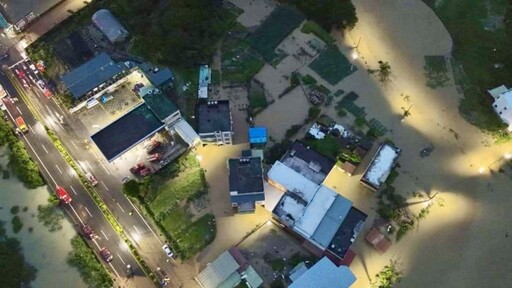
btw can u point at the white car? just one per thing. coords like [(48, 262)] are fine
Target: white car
[(167, 250), (91, 179)]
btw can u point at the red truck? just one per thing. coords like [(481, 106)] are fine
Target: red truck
[(154, 157), (152, 146), (88, 232), (63, 195), (21, 125)]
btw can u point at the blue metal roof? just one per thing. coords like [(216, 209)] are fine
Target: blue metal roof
[(258, 135), (159, 76), (324, 274), (91, 74), (332, 221)]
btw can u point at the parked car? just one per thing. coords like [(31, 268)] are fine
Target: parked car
[(88, 232), (137, 167), (91, 179), (168, 250), (106, 255)]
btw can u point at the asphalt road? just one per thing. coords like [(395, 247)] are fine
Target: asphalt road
[(73, 133), (82, 209)]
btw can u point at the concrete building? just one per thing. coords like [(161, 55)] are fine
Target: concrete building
[(230, 269), (160, 77), (381, 165), (246, 183), (18, 14), (110, 26), (503, 104), (214, 122), (326, 221), (324, 274)]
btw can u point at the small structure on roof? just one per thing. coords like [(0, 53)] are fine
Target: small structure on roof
[(110, 26), (205, 78), (160, 104), (380, 166), (229, 270), (258, 136), (378, 240), (246, 183), (324, 274), (158, 76), (213, 122), (503, 104)]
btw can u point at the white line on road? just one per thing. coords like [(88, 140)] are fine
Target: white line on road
[(137, 230), (88, 212), (48, 108), (17, 108), (32, 130), (89, 164), (111, 266), (97, 245), (104, 234), (73, 189), (120, 207), (103, 183), (144, 220), (73, 142), (44, 148), (74, 211), (121, 258), (105, 168), (58, 168)]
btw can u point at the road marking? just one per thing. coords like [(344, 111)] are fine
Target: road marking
[(120, 207), (48, 108), (111, 266), (89, 164), (73, 189), (104, 167), (137, 230), (104, 234), (88, 212), (17, 108), (73, 142), (44, 148), (121, 258), (74, 211), (30, 127), (144, 220), (97, 245), (103, 183), (58, 168)]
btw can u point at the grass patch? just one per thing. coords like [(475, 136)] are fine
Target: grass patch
[(91, 270), (239, 62), (332, 66), (257, 100), (312, 27), (16, 224), (308, 80), (329, 146), (476, 51), (436, 71), (273, 30), (215, 77)]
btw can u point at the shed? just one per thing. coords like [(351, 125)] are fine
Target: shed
[(110, 26), (258, 135), (378, 240)]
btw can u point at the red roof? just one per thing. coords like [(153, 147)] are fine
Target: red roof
[(349, 257), (239, 258), (378, 240)]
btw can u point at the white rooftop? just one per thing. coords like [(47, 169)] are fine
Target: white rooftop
[(381, 165), (315, 211), (495, 92), (292, 181), (324, 274), (315, 132)]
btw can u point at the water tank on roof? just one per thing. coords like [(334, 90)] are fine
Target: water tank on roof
[(110, 26)]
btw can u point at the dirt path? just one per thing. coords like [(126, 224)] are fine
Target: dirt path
[(455, 245)]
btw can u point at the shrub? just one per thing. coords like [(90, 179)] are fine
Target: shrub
[(313, 113), (132, 188), (293, 130)]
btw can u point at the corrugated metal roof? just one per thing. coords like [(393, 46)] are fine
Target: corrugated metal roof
[(218, 271), (110, 26), (324, 274), (91, 74), (331, 221), (258, 135)]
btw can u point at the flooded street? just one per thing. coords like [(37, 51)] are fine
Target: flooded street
[(46, 251)]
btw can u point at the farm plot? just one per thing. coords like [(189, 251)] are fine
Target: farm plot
[(332, 66)]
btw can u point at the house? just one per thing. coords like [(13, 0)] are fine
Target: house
[(324, 274), (325, 221), (213, 122), (160, 77), (307, 162), (205, 78), (258, 136), (246, 183), (503, 104), (94, 76), (110, 26), (230, 269), (381, 165)]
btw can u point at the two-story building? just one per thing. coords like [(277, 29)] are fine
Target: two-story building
[(213, 122)]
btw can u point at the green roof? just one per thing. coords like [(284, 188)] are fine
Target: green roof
[(158, 102)]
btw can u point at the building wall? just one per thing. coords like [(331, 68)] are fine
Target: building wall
[(219, 138), (503, 109)]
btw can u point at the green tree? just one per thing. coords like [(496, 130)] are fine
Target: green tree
[(384, 71), (131, 188), (388, 276), (329, 13)]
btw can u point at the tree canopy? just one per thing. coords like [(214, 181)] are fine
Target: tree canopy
[(328, 13)]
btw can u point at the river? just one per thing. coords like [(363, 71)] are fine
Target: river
[(46, 251)]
